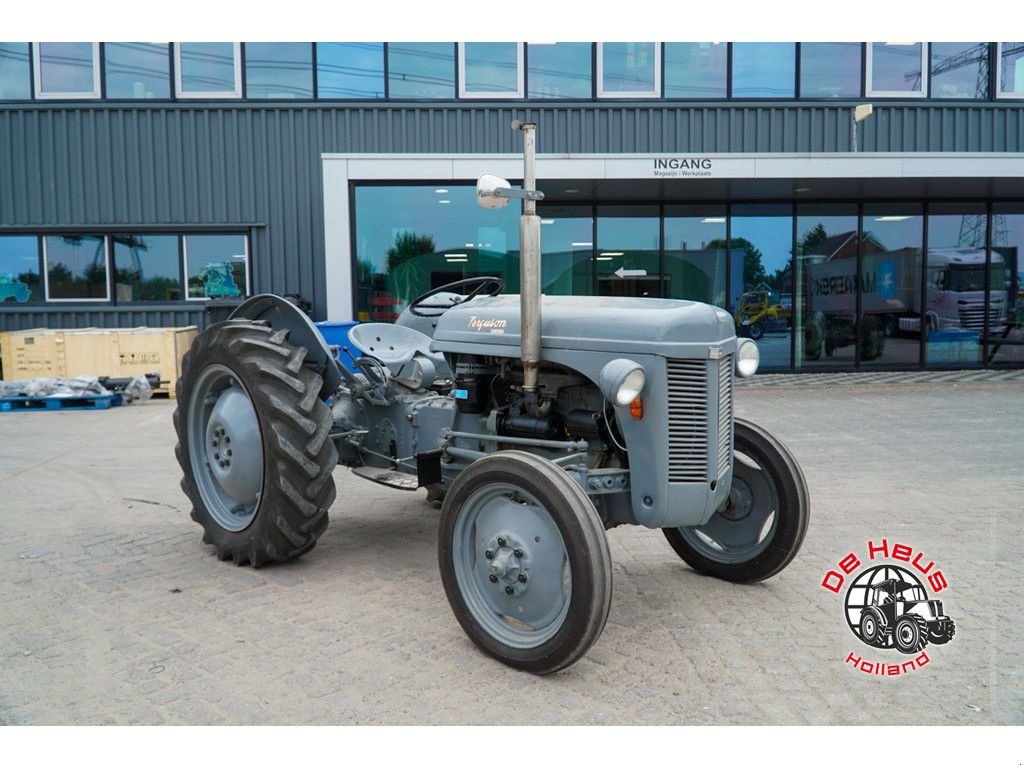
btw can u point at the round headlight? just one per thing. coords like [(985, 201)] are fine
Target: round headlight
[(622, 381), (748, 358), (631, 387)]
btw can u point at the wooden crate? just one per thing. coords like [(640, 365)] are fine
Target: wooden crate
[(32, 353), (144, 350), (89, 352), (97, 352)]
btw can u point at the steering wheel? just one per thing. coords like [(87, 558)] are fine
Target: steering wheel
[(494, 286)]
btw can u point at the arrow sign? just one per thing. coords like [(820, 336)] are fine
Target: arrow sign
[(623, 272)]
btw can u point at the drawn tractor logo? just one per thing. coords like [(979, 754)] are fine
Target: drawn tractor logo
[(11, 288), (897, 612), (219, 279)]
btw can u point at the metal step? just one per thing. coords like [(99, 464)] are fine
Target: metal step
[(388, 477)]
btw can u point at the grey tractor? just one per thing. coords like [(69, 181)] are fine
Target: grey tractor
[(538, 423)]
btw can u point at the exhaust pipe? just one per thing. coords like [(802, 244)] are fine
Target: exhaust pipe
[(495, 192), (529, 273)]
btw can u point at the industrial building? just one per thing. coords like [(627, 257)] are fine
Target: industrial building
[(857, 206)]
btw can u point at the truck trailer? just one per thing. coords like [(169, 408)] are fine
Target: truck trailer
[(891, 297)]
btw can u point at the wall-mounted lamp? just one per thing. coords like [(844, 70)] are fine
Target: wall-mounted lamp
[(859, 114)]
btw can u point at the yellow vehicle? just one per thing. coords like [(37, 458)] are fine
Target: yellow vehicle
[(760, 311)]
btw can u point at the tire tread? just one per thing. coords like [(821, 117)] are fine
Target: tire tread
[(299, 458)]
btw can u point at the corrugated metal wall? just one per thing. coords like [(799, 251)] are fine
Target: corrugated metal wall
[(100, 317), (258, 165)]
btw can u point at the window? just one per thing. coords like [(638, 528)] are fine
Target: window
[(350, 70), (762, 237), (15, 81), (628, 70), (763, 70), (1011, 70), (696, 70), (695, 260), (141, 267), (137, 70), (628, 254), (830, 70), (1006, 326), (67, 70), (559, 70), (279, 70), (824, 298), (76, 267), (491, 70), (409, 239), (889, 332), (567, 250), (208, 70), (216, 266), (146, 268), (421, 70), (897, 69), (955, 284), (19, 269), (959, 70)]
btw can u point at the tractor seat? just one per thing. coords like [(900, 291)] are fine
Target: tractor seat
[(393, 345)]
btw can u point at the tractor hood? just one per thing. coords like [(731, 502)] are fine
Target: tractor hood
[(593, 323)]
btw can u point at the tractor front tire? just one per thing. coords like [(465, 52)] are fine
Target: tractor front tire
[(760, 528), (941, 637), (253, 443), (910, 633), (525, 562)]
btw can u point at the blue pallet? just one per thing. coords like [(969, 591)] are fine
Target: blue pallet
[(88, 403)]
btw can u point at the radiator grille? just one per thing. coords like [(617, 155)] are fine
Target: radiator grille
[(687, 421), (725, 374), (972, 316)]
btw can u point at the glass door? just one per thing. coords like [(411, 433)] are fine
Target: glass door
[(762, 236), (628, 254)]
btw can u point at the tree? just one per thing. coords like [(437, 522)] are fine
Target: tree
[(408, 245), (753, 260), (405, 271), (812, 238)]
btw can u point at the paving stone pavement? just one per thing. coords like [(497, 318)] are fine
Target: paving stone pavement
[(112, 611)]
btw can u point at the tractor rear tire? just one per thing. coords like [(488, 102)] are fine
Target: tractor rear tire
[(910, 633), (525, 562), (768, 492), (872, 627), (264, 498)]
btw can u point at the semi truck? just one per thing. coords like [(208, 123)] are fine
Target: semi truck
[(891, 299)]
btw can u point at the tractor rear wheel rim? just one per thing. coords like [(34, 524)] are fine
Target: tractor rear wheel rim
[(512, 566), (225, 447)]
